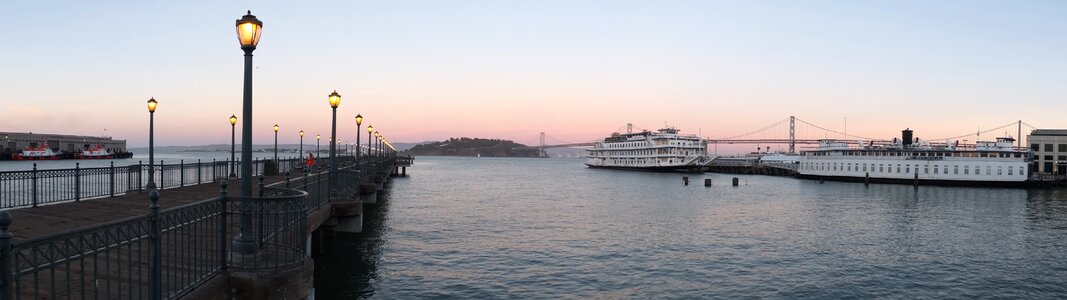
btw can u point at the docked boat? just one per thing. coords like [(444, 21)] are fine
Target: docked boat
[(97, 152), (663, 150), (40, 152), (914, 161)]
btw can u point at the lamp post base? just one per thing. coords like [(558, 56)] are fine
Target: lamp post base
[(244, 245)]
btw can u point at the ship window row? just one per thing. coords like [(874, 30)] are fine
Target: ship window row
[(645, 152), (907, 168), (923, 154), (635, 161)]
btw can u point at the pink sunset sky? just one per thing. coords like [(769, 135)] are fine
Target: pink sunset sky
[(577, 70)]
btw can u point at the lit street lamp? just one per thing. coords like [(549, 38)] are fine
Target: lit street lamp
[(301, 143), (370, 130), (151, 143), (233, 141), (359, 121), (377, 146), (249, 30), (317, 137), (335, 100), (275, 143)]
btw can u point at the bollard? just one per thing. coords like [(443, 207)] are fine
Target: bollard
[(685, 180), (735, 180), (707, 181), (286, 179)]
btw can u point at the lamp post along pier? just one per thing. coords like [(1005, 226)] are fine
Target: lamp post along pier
[(249, 29)]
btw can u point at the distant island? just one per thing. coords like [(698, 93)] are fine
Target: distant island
[(473, 147)]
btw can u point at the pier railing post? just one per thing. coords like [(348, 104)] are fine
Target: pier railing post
[(34, 184), (286, 179), (111, 173), (259, 216), (77, 182), (154, 260), (223, 224), (198, 170), (181, 172), (140, 175), (6, 257), (161, 185)]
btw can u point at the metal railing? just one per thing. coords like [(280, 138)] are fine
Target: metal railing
[(168, 253), (35, 187)]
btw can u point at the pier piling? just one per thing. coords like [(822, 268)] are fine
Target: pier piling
[(735, 181), (707, 182), (685, 180)]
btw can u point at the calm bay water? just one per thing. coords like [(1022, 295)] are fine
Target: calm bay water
[(552, 228)]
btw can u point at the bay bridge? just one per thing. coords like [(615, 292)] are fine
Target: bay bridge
[(793, 131)]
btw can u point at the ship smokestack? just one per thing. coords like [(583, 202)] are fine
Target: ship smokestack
[(905, 137)]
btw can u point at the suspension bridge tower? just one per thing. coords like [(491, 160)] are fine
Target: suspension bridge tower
[(541, 149), (792, 134)]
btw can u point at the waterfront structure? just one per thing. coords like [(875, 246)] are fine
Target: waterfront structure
[(15, 142), (1050, 150), (663, 150), (916, 161)]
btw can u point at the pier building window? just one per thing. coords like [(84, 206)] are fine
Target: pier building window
[(955, 169), (1035, 147), (898, 168), (880, 168), (907, 169), (988, 170), (1000, 170), (966, 170), (935, 169), (1048, 147), (926, 169), (1062, 158), (1062, 147), (1010, 170)]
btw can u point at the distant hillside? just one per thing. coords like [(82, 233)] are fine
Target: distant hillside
[(473, 147)]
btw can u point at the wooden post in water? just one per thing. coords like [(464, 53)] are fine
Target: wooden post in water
[(735, 181), (867, 179), (707, 182), (685, 180), (916, 183)]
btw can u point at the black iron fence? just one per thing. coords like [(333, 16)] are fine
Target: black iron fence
[(35, 187), (168, 253)]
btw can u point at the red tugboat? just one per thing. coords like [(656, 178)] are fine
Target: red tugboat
[(97, 152), (41, 152)]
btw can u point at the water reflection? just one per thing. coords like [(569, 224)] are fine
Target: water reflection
[(347, 266)]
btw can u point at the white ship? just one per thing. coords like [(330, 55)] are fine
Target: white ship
[(663, 150), (987, 163)]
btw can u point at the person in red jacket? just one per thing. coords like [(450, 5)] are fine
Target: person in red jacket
[(310, 163)]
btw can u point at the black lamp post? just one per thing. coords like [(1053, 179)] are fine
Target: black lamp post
[(370, 131), (275, 143), (377, 145), (151, 143), (359, 121), (317, 137), (249, 30), (233, 142), (335, 100), (301, 143)]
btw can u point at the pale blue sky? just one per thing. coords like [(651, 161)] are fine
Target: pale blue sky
[(429, 70)]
